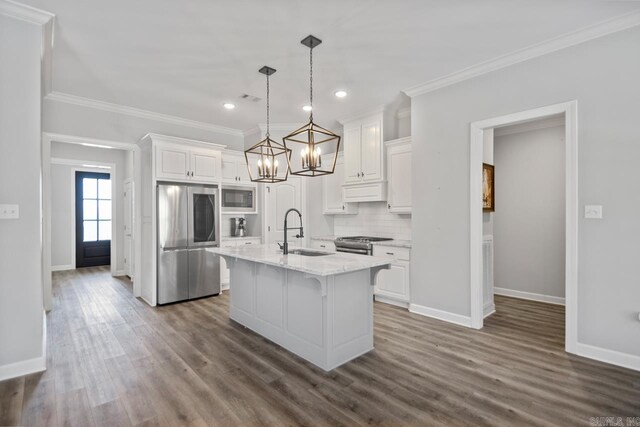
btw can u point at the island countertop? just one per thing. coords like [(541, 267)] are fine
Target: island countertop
[(327, 265)]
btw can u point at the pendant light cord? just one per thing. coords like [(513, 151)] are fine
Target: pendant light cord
[(268, 106), (311, 83)]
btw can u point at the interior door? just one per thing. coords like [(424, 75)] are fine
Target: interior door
[(278, 199), (93, 219), (371, 153), (128, 228)]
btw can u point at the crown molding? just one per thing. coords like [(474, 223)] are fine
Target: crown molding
[(25, 13), (178, 140), (287, 127), (137, 112), (252, 131), (564, 41), (404, 112)]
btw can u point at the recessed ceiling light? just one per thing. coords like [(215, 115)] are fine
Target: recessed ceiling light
[(229, 106), (341, 93), (307, 108)]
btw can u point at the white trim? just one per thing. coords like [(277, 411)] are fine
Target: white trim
[(399, 141), (529, 296), (29, 366), (177, 140), (25, 13), (138, 112), (63, 267), (252, 131), (529, 126), (118, 273), (569, 109), (70, 139), (440, 315), (564, 41), (626, 360), (386, 300)]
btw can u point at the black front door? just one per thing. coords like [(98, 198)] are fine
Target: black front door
[(93, 219)]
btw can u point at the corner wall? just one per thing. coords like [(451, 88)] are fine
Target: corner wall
[(602, 75), (21, 301)]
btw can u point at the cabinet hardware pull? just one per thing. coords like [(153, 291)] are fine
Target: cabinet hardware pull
[(342, 207), (389, 206), (247, 243), (322, 246), (389, 253)]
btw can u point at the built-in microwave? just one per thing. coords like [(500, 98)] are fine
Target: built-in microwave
[(238, 199)]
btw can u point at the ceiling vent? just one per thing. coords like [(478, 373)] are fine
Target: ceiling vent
[(250, 98)]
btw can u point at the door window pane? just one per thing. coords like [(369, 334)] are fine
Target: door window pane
[(90, 209), (104, 209), (90, 231), (104, 189), (89, 188), (104, 230)]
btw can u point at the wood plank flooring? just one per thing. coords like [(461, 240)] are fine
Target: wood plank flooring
[(113, 360)]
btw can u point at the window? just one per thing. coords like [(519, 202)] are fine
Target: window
[(96, 208)]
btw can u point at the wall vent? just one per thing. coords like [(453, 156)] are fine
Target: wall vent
[(250, 98)]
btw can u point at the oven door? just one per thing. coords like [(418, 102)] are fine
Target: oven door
[(236, 199), (204, 221), (353, 250)]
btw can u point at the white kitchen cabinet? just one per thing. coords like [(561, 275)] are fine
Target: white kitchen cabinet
[(184, 163), (392, 286), (323, 245), (234, 168), (364, 176), (399, 175), (332, 202), (363, 150), (232, 242)]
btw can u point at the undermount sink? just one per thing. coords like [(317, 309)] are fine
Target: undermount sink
[(305, 252)]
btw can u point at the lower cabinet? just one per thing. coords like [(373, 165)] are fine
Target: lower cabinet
[(392, 286), (233, 242), (323, 245)]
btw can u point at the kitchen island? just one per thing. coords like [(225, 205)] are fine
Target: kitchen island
[(319, 307)]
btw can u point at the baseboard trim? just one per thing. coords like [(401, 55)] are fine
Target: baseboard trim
[(391, 301), (440, 315), (30, 366), (612, 357), (489, 309), (119, 273), (62, 267), (528, 295)]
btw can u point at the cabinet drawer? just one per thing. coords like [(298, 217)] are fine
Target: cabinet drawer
[(403, 254), (228, 244)]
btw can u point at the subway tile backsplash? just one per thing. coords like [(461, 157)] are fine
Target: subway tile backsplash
[(373, 219)]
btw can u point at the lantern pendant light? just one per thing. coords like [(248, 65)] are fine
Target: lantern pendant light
[(314, 148), (268, 160)]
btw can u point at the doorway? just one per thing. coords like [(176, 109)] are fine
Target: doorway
[(93, 219), (477, 136)]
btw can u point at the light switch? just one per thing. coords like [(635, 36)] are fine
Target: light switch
[(9, 212), (593, 211)]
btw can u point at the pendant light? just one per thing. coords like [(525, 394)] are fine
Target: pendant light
[(268, 160), (314, 148)]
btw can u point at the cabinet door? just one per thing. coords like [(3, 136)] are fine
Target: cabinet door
[(172, 163), (394, 283), (332, 192), (371, 147), (243, 172), (205, 166), (352, 155), (224, 271), (399, 177), (229, 168)]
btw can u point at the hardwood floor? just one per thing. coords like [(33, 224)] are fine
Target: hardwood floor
[(113, 360)]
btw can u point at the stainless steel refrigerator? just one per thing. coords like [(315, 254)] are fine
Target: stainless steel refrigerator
[(188, 223)]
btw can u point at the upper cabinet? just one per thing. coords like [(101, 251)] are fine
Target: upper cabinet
[(363, 150), (178, 159), (399, 175), (234, 168), (364, 160), (332, 202)]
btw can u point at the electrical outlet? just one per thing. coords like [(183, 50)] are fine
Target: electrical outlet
[(593, 211), (9, 212)]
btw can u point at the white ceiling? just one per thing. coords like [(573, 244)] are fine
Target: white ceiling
[(186, 58)]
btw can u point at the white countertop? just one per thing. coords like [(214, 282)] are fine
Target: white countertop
[(396, 243), (241, 238), (329, 265)]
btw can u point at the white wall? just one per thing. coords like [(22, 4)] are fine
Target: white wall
[(62, 198), (602, 75), (529, 221), (21, 300)]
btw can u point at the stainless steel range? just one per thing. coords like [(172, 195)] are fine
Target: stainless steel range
[(357, 244)]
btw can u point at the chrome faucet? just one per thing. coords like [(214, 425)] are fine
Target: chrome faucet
[(285, 245)]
